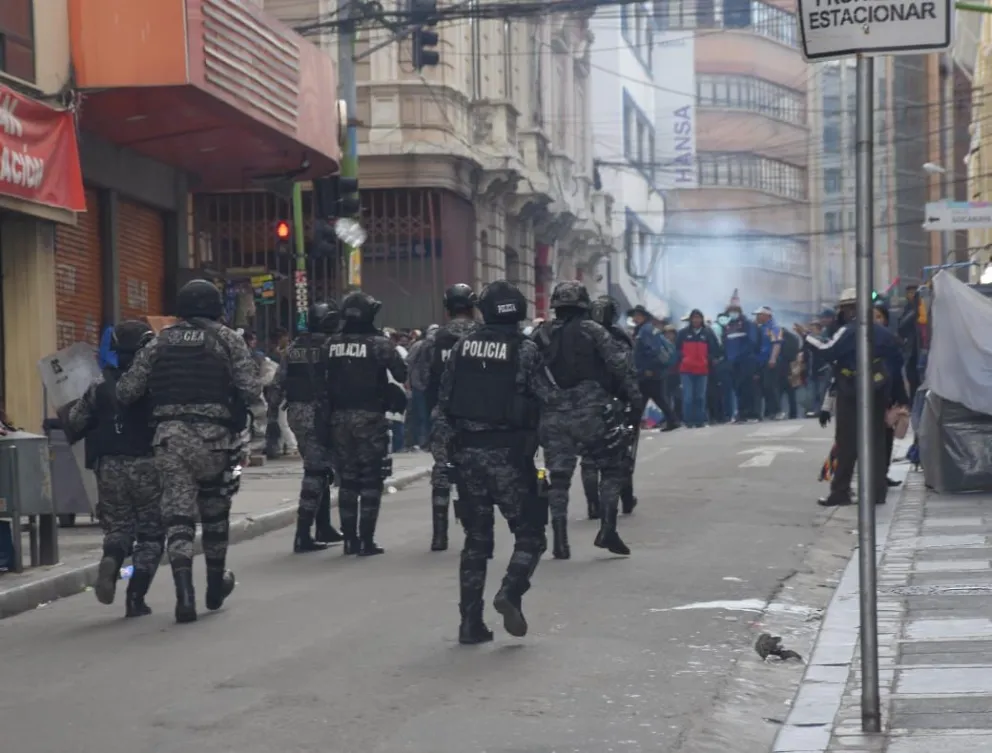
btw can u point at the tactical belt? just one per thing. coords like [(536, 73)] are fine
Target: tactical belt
[(482, 440)]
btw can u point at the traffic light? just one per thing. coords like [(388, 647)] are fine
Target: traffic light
[(336, 197), (423, 13), (284, 237), (325, 240)]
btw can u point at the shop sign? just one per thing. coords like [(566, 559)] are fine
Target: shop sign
[(302, 299), (39, 154)]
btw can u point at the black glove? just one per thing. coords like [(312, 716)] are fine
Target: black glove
[(824, 418)]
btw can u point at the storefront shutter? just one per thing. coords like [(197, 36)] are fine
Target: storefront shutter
[(79, 277), (141, 243)]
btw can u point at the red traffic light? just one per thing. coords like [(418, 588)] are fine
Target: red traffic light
[(282, 230)]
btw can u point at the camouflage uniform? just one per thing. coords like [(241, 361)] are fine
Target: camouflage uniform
[(129, 507), (574, 423), (495, 468), (440, 433), (360, 437), (195, 448)]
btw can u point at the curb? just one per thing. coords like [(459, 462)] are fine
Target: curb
[(70, 582)]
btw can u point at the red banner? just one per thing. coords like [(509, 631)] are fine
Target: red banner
[(39, 155)]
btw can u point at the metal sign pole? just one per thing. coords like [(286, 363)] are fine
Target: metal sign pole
[(871, 720)]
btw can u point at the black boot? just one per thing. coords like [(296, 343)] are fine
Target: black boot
[(220, 584), (366, 528), (185, 595), (509, 606), (349, 520), (627, 499), (590, 485), (326, 533), (304, 542), (137, 587), (439, 541), (560, 550), (108, 571), (608, 538), (472, 629)]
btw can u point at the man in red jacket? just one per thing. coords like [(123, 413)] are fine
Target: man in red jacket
[(697, 346)]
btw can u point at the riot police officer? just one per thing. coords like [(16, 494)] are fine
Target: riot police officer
[(203, 382), (460, 302), (488, 403), (604, 312), (119, 450), (592, 374), (302, 376), (357, 389)]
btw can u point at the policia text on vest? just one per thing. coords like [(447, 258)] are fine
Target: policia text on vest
[(833, 13)]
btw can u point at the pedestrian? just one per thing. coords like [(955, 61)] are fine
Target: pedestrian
[(841, 351), (360, 361), (673, 379), (769, 375), (460, 302), (740, 349), (119, 451), (302, 375), (653, 355), (593, 378), (489, 404), (698, 348), (418, 415), (895, 365), (817, 372), (204, 383), (908, 328), (604, 312)]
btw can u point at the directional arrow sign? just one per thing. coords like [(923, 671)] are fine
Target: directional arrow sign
[(957, 215), (762, 457)]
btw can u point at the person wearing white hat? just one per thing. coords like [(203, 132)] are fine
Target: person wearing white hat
[(769, 374)]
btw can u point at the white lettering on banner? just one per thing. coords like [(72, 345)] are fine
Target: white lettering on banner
[(9, 122), (684, 164), (348, 350), (867, 12), (20, 168), (482, 349)]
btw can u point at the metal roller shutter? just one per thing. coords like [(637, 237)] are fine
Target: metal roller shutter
[(141, 238), (79, 277)]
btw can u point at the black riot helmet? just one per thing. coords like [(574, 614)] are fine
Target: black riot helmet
[(502, 302), (604, 311), (360, 308), (324, 317), (131, 336), (460, 298), (570, 294), (199, 298)]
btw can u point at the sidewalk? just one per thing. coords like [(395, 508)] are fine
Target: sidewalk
[(266, 502), (935, 638)]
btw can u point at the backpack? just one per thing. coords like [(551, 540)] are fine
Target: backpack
[(790, 346)]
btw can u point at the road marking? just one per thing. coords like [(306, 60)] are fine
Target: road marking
[(762, 457), (768, 432)]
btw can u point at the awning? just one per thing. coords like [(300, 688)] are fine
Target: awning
[(39, 156)]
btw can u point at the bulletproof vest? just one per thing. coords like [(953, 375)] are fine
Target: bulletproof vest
[(444, 341), (355, 378), (621, 336), (120, 430), (572, 357), (188, 371), (484, 385), (306, 368)]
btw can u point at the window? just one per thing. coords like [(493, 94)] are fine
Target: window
[(637, 25), (745, 170), (638, 138), (832, 222), (831, 139), (17, 39), (639, 245), (832, 180), (753, 95), (774, 23), (762, 18)]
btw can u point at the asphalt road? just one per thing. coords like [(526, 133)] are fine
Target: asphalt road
[(333, 654)]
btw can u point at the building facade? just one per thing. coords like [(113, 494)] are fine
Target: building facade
[(625, 148), (479, 168), (162, 115), (738, 206)]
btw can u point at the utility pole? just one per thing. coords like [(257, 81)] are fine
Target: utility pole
[(946, 160), (348, 92)]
